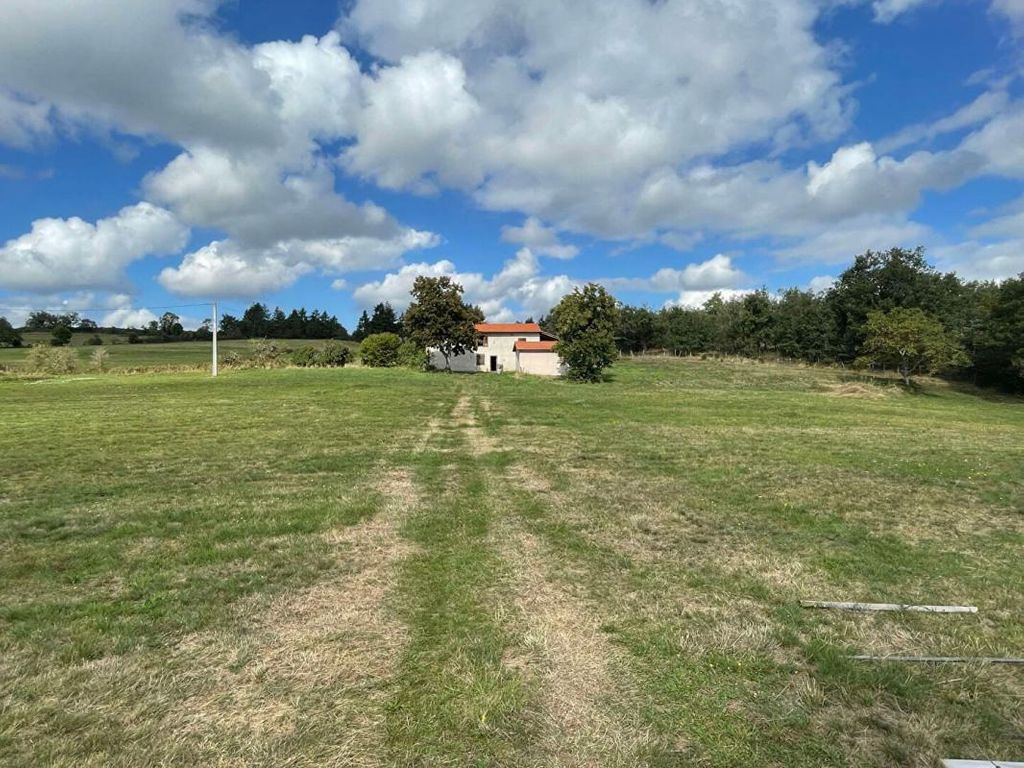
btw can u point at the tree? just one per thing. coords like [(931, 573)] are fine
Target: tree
[(255, 321), (804, 326), (380, 350), (911, 341), (585, 323), (883, 281), (756, 324), (8, 336), (384, 320), (999, 340), (362, 327), (61, 336), (230, 327), (637, 329), (438, 318), (170, 324)]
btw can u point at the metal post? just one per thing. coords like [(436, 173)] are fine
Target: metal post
[(215, 338)]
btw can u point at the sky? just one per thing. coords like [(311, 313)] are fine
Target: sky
[(163, 154)]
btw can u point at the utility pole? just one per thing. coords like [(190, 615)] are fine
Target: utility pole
[(215, 338)]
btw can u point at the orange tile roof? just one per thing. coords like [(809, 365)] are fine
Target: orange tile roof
[(534, 346), (508, 327)]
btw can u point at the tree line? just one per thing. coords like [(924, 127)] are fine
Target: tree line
[(975, 329)]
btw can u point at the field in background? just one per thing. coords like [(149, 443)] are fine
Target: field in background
[(125, 355), (371, 567)]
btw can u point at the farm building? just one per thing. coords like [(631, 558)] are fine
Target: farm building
[(507, 347)]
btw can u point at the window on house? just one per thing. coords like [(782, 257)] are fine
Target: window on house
[(482, 341), (479, 360)]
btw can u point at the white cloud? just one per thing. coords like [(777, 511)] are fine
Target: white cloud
[(1009, 223), (887, 10), (694, 299), (973, 260), (1013, 10), (838, 244), (607, 118), (820, 283), (22, 123), (228, 268), (128, 318), (539, 239), (716, 273), (983, 108), (65, 254), (519, 290)]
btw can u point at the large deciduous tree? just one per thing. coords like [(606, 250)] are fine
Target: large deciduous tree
[(910, 341), (9, 337), (585, 323), (438, 318)]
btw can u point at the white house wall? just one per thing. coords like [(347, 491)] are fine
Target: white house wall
[(500, 345), (540, 363)]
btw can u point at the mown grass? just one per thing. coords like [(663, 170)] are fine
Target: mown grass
[(363, 567)]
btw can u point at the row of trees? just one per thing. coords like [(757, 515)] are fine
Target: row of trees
[(976, 327), (259, 322)]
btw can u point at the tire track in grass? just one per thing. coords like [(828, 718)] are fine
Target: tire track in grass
[(311, 677), (456, 703), (584, 696)]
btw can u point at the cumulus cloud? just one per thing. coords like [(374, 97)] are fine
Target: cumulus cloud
[(519, 289), (227, 268), (66, 254), (975, 260), (523, 104), (835, 245), (539, 239), (127, 317)]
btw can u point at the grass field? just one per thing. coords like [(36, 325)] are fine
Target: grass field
[(368, 568), (122, 355)]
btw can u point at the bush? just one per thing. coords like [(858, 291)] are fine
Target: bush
[(98, 359), (333, 354), (61, 336), (93, 341), (412, 355), (380, 350), (266, 354), (304, 357), (55, 360)]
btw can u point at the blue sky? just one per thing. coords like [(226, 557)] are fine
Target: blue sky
[(168, 152)]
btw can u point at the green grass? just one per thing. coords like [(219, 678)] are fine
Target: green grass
[(122, 355), (366, 567)]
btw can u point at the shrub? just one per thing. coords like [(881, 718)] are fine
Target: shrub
[(333, 354), (380, 350), (266, 354), (61, 336), (304, 357), (231, 359), (98, 359), (55, 360), (94, 341), (412, 355)]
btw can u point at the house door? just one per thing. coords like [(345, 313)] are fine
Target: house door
[(494, 363)]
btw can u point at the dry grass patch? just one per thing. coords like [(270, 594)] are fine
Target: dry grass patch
[(861, 391), (335, 643), (465, 419), (585, 696)]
